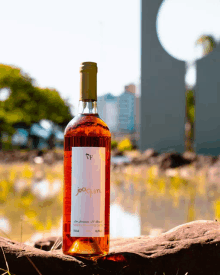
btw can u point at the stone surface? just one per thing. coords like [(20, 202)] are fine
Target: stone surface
[(150, 153), (171, 160), (148, 157), (24, 259), (204, 161), (48, 243), (191, 248), (14, 156), (191, 156), (115, 153)]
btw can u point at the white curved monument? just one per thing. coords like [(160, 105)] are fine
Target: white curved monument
[(207, 125), (162, 89)]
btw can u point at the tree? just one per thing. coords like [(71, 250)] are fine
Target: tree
[(28, 104), (208, 44), (190, 120)]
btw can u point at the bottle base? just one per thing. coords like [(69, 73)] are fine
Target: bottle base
[(85, 247), (93, 257)]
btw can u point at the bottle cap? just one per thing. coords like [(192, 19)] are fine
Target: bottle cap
[(87, 66), (88, 81)]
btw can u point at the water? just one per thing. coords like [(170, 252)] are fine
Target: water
[(122, 223), (119, 160), (141, 203)]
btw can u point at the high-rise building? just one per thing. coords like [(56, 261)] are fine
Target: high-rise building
[(108, 110), (131, 88), (137, 118), (121, 113), (127, 110)]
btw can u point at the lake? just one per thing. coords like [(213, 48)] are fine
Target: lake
[(142, 203)]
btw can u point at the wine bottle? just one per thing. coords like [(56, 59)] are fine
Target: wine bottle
[(87, 149)]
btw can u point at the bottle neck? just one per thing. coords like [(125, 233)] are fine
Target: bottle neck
[(87, 107), (88, 88)]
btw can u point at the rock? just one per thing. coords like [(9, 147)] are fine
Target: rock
[(204, 161), (47, 243), (212, 192), (148, 157), (187, 172), (149, 153), (29, 156), (49, 157), (216, 162), (171, 160), (213, 175), (117, 153), (136, 161), (191, 156), (170, 172), (24, 259), (191, 248)]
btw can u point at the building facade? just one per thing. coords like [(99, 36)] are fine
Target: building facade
[(120, 113), (127, 109), (108, 110)]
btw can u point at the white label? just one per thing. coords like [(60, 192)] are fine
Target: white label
[(88, 192)]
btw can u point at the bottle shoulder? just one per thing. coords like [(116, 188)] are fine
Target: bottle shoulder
[(87, 125)]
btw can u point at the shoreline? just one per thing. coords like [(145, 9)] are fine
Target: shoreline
[(186, 166)]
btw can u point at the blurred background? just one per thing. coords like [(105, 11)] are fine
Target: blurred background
[(158, 91)]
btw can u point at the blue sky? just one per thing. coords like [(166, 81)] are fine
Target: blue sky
[(49, 39)]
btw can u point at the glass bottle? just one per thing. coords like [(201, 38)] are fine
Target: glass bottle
[(87, 149)]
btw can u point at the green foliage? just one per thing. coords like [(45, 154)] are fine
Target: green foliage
[(27, 103), (190, 105), (114, 144), (125, 145), (208, 43), (190, 120)]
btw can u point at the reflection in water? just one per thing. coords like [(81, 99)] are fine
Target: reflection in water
[(120, 160), (123, 224), (5, 225), (142, 202), (54, 232), (45, 189), (163, 202)]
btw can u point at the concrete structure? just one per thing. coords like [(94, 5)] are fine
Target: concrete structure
[(162, 89), (137, 118), (207, 125)]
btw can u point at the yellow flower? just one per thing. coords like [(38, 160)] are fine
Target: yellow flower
[(125, 144), (217, 209), (4, 189), (27, 172)]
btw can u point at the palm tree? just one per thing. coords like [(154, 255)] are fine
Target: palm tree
[(208, 44)]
